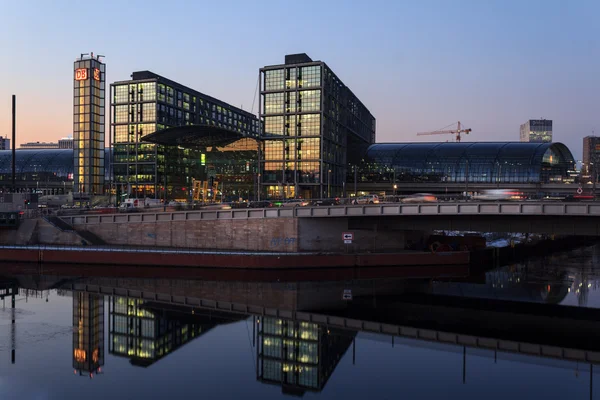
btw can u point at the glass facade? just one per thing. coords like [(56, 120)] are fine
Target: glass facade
[(510, 162), (591, 157), (40, 169), (88, 125), (312, 126), (299, 356), (150, 103), (537, 131), (88, 333)]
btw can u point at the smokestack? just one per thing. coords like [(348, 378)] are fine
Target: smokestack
[(14, 140)]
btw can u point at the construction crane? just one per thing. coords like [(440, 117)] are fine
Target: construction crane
[(444, 131)]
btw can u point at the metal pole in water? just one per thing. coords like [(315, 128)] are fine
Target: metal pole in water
[(14, 139), (464, 364), (13, 332), (591, 379)]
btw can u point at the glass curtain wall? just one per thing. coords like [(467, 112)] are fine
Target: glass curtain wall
[(291, 139), (88, 126)]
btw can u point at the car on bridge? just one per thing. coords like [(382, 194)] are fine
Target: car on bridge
[(499, 194), (327, 202), (368, 199), (420, 198), (260, 204), (295, 203)]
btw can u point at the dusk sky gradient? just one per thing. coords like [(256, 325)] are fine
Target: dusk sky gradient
[(417, 65)]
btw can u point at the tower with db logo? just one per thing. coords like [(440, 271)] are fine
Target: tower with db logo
[(88, 126)]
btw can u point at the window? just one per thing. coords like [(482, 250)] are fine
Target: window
[(274, 79), (310, 100), (309, 149), (121, 114), (310, 76), (148, 112), (309, 125), (273, 103), (120, 94), (273, 125)]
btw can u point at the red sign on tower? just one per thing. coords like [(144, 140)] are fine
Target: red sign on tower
[(81, 74)]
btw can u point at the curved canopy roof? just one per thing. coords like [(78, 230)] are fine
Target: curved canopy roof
[(194, 136), (54, 161), (417, 153)]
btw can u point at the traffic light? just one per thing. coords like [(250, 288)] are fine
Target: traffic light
[(26, 202)]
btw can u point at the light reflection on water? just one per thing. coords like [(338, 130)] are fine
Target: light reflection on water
[(268, 339)]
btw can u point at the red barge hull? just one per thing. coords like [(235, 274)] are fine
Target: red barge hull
[(162, 258)]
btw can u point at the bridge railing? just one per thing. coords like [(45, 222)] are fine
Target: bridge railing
[(369, 210)]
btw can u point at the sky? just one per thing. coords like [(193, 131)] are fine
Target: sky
[(416, 65)]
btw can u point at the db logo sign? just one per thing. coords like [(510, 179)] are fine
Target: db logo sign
[(81, 74)]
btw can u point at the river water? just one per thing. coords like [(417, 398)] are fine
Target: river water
[(123, 337)]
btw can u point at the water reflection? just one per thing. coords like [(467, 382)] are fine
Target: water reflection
[(299, 356), (299, 333), (144, 332), (88, 333)]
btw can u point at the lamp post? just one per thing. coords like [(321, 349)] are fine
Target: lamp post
[(395, 187), (258, 188), (328, 183), (594, 178)]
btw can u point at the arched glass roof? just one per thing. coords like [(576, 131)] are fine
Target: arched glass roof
[(42, 164), (510, 162)]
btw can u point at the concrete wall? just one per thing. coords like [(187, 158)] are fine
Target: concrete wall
[(46, 233), (278, 234), (260, 234), (325, 234)]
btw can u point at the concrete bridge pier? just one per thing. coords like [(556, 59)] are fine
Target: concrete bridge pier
[(370, 235)]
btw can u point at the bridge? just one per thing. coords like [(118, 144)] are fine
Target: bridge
[(549, 217)]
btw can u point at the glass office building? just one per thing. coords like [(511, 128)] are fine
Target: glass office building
[(537, 131), (150, 103), (88, 125), (591, 156), (312, 127), (502, 162)]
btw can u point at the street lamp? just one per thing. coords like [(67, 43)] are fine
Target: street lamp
[(328, 183), (395, 187)]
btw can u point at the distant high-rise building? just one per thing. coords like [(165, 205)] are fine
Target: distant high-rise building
[(4, 143), (537, 131), (313, 126), (65, 143), (88, 125), (38, 145), (591, 153)]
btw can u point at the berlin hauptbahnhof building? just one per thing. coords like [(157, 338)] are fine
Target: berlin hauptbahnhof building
[(313, 138)]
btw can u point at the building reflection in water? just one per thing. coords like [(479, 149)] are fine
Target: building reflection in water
[(145, 335), (88, 333), (299, 356)]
